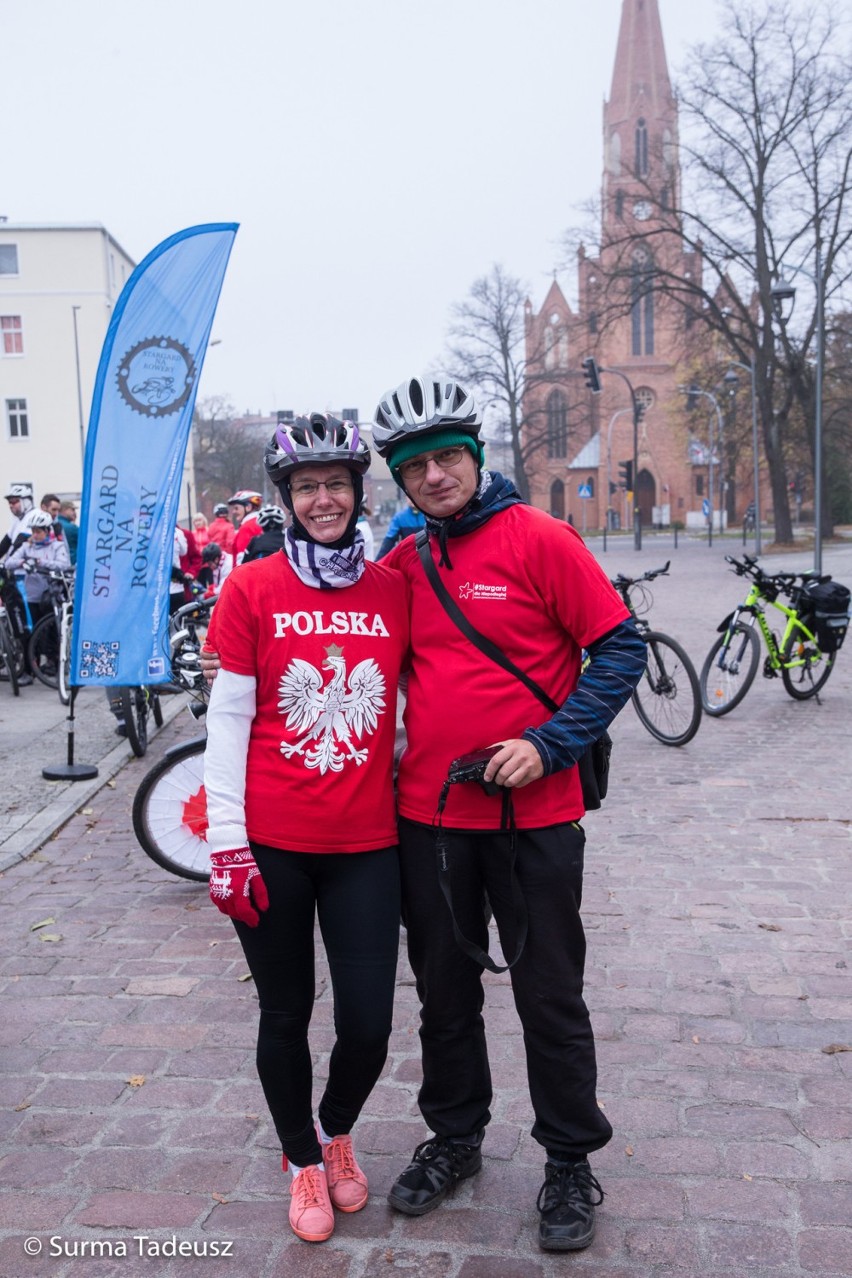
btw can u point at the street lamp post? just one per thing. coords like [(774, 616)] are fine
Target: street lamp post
[(637, 414), (694, 391), (592, 372), (74, 310), (618, 413), (782, 292), (731, 379)]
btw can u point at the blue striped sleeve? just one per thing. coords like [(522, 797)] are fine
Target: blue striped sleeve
[(616, 663)]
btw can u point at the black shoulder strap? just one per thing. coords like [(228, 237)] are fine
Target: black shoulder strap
[(470, 632)]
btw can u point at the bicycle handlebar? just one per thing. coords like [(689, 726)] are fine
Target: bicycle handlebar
[(624, 583), (785, 582)]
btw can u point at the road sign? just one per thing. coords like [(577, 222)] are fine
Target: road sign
[(584, 490), (705, 507)]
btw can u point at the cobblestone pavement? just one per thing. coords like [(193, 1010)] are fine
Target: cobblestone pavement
[(717, 910)]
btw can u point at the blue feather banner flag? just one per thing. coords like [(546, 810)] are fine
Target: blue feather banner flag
[(138, 432)]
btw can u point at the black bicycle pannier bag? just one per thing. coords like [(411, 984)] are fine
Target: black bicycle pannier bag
[(828, 606)]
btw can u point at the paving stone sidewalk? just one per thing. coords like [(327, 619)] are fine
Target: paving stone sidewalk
[(717, 909)]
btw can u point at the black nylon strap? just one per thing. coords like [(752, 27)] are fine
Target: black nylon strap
[(470, 632)]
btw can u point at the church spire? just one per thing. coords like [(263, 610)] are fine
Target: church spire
[(640, 118), (640, 77)]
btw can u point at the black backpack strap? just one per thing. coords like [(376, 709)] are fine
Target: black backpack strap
[(470, 632)]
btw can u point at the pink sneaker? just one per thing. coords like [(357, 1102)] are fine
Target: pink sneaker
[(347, 1184), (311, 1216)]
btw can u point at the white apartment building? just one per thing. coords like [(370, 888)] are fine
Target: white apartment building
[(58, 287)]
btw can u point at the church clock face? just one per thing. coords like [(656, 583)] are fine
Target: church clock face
[(641, 210)]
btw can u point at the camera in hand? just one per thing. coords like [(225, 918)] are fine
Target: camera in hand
[(471, 767)]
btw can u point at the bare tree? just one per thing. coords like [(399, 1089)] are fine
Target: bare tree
[(227, 453), (488, 348), (766, 115)]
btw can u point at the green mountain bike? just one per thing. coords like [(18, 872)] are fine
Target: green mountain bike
[(817, 618)]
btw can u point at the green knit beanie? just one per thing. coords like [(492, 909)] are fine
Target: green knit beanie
[(429, 443)]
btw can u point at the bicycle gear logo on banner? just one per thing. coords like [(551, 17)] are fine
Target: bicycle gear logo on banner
[(156, 376)]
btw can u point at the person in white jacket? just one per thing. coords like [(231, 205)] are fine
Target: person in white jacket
[(40, 552)]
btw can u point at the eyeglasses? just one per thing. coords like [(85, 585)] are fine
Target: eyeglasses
[(310, 487), (446, 459)]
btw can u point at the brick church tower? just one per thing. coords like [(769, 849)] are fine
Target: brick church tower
[(577, 442)]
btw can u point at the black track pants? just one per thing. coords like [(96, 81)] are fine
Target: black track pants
[(547, 981), (355, 896)]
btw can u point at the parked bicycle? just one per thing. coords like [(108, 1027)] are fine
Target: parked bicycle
[(170, 806), (11, 653), (49, 646), (667, 698), (817, 618)]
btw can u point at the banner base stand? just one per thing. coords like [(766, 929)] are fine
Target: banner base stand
[(70, 771)]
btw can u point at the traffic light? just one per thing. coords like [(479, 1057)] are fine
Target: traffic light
[(625, 475), (591, 373)]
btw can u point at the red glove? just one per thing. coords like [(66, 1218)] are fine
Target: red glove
[(235, 884)]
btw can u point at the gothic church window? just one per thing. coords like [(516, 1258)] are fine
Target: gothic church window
[(557, 425), (642, 303), (615, 154), (641, 158)]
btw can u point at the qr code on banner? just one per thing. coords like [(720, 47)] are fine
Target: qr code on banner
[(99, 660)]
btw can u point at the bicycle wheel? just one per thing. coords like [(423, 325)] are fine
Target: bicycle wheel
[(134, 709), (156, 706), (805, 680), (8, 662), (43, 651), (170, 812), (667, 698), (64, 668), (729, 670)]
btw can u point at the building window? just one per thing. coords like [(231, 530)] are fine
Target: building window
[(699, 485), (16, 415), (557, 425), (590, 484), (642, 303), (645, 396), (12, 334), (557, 499), (8, 259), (641, 159), (619, 204)]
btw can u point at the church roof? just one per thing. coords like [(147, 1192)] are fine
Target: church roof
[(589, 456)]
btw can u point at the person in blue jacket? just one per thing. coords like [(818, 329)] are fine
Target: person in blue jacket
[(405, 522)]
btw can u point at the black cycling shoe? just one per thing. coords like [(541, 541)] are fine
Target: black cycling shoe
[(567, 1202), (438, 1164)]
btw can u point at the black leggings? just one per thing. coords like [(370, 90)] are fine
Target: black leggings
[(356, 898)]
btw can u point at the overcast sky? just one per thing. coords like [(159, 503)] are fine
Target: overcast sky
[(378, 155)]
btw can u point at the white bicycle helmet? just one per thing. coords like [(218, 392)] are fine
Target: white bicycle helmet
[(424, 406), (246, 497), (19, 490), (39, 519), (220, 510), (271, 517), (314, 440)]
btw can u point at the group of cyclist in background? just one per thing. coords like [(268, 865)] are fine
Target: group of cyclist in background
[(41, 542)]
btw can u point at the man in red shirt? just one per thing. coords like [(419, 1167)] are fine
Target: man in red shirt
[(529, 584), (220, 529), (243, 508)]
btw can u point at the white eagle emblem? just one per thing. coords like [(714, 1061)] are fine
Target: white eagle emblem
[(329, 716)]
